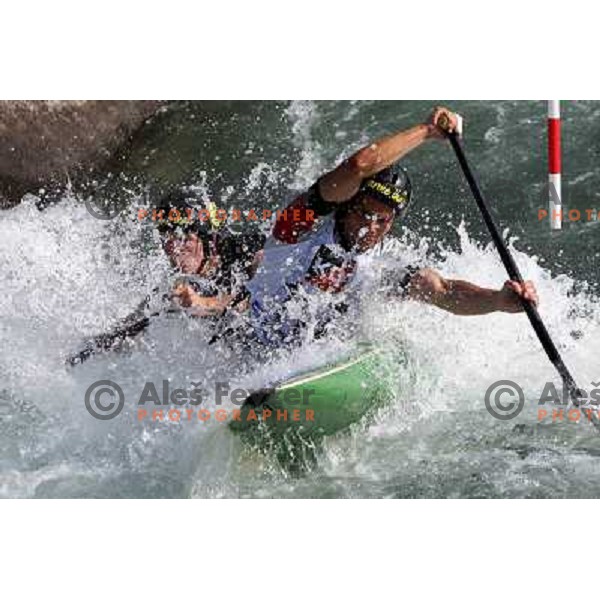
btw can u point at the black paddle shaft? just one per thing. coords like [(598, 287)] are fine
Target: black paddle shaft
[(513, 272)]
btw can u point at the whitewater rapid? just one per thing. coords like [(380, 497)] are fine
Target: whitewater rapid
[(66, 276)]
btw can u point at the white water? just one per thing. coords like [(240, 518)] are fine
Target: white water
[(67, 276)]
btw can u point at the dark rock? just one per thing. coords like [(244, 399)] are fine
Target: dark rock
[(47, 141)]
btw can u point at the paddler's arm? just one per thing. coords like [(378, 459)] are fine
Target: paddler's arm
[(201, 306), (464, 298), (209, 306), (342, 183)]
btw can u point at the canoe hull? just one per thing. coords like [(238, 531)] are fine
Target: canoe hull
[(322, 402)]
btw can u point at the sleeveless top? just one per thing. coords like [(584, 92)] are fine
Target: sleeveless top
[(304, 270), (291, 275)]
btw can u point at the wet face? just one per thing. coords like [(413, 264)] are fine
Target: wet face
[(186, 253), (366, 223)]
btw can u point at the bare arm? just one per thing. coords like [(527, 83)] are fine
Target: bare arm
[(343, 182), (201, 306), (464, 298)]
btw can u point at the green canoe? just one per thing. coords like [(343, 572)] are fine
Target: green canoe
[(324, 401)]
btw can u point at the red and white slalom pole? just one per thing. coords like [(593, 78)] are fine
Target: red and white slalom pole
[(554, 164)]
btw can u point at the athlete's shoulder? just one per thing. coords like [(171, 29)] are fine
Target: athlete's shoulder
[(301, 216)]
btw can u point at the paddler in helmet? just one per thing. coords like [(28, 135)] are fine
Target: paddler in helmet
[(211, 261), (210, 264), (343, 215)]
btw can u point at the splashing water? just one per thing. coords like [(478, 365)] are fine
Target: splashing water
[(67, 276), (65, 280)]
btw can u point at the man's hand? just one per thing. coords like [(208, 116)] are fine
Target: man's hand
[(200, 306), (439, 116), (184, 295), (513, 291)]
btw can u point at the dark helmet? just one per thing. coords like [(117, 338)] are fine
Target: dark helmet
[(392, 186), (176, 214)]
